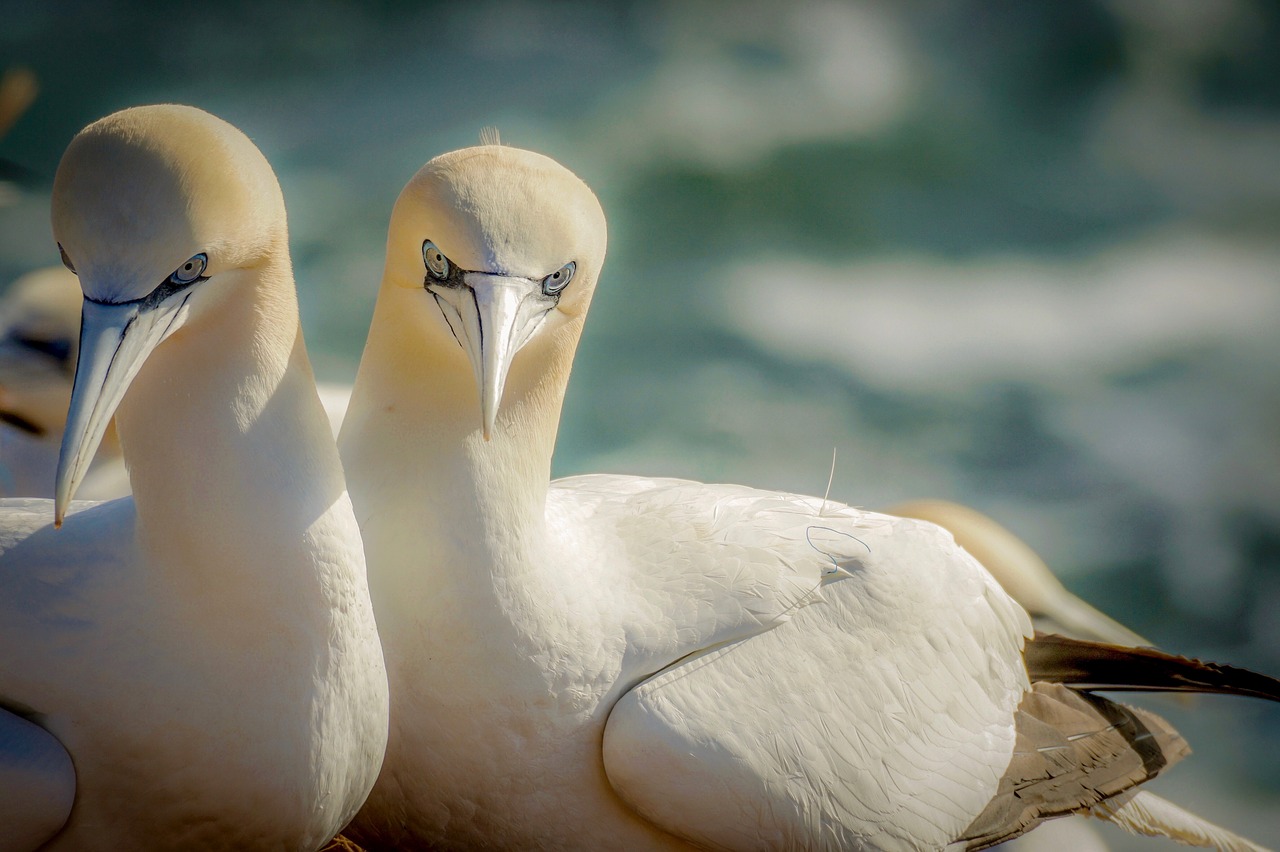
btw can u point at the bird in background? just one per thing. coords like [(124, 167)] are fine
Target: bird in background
[(1020, 572), (39, 345)]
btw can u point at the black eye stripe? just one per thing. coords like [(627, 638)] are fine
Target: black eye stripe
[(171, 285), (453, 275)]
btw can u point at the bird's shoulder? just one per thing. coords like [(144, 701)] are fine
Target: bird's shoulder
[(701, 525), (720, 562), (691, 540), (693, 513)]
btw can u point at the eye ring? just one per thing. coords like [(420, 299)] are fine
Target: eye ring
[(554, 283), (437, 264), (66, 261), (190, 271)]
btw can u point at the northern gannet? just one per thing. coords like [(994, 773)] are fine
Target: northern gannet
[(628, 663), (196, 666)]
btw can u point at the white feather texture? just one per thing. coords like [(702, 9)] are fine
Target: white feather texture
[(203, 651), (611, 662), (762, 669)]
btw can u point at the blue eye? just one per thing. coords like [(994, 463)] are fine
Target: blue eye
[(191, 270), (437, 263), (558, 280)]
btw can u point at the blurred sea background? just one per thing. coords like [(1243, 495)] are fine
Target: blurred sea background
[(1023, 255)]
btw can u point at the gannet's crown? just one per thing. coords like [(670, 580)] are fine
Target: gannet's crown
[(139, 192), (498, 209)]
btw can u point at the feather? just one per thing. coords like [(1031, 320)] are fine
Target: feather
[(1073, 751), (1095, 665), (1140, 812)]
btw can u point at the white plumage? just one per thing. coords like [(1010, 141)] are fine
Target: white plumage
[(626, 663), (196, 666)]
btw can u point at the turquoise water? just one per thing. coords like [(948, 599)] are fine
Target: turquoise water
[(1020, 255)]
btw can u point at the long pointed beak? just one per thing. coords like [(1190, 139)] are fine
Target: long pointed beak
[(115, 340), (492, 317)]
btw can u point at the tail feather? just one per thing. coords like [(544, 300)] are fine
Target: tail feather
[(1094, 665), (1140, 812)]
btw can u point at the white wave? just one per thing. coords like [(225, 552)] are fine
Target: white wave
[(924, 324), (733, 84)]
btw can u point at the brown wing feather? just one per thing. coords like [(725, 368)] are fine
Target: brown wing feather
[(1073, 750)]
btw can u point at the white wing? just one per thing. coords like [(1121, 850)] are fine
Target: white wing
[(695, 564), (54, 587), (880, 715)]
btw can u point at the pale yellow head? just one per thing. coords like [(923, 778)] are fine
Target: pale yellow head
[(140, 192), (163, 212), (505, 246)]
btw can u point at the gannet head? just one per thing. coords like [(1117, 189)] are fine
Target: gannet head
[(153, 208), (505, 245)]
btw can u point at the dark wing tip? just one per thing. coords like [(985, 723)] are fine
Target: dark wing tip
[(1096, 665)]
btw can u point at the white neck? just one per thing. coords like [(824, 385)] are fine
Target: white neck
[(482, 616), (225, 438), (247, 532), (441, 507)]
